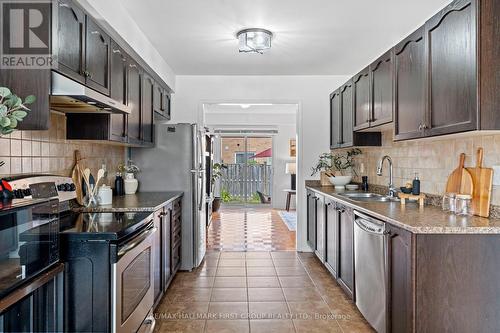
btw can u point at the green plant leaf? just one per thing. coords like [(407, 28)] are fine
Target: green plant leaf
[(4, 122), (13, 122), (5, 131), (29, 99), (19, 115), (3, 110), (4, 92)]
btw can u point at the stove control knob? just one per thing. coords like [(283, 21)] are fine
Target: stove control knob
[(72, 187), (67, 187), (60, 187), (18, 194), (27, 192)]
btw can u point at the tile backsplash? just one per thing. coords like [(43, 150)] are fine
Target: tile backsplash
[(26, 152), (432, 158)]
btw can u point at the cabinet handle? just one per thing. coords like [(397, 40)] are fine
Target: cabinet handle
[(65, 5), (117, 51), (420, 127), (424, 126), (95, 32), (133, 65)]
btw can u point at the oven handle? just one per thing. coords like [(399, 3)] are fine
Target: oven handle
[(139, 239)]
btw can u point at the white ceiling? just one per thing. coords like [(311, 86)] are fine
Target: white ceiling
[(312, 37)]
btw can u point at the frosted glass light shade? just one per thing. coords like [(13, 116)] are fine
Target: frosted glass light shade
[(254, 40)]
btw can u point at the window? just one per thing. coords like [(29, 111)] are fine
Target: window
[(239, 156)]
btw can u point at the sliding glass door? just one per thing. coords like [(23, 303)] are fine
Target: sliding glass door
[(247, 176)]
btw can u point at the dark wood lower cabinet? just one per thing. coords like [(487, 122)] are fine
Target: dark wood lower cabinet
[(346, 246), (332, 237), (311, 220), (320, 227)]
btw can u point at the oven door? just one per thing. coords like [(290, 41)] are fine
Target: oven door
[(132, 282)]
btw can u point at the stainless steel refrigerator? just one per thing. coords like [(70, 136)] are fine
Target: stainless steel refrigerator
[(177, 163)]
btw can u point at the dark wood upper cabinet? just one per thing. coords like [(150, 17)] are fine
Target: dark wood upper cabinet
[(70, 40), (346, 245), (401, 277), (331, 237), (410, 86), (166, 104), (147, 109), (335, 120), (97, 57), (346, 113), (134, 85), (158, 98), (451, 40), (118, 90), (361, 99), (381, 90)]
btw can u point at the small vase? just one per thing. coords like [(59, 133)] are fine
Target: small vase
[(131, 183)]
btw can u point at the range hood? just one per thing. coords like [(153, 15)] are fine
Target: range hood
[(69, 96)]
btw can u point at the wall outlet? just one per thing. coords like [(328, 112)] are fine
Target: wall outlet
[(496, 175)]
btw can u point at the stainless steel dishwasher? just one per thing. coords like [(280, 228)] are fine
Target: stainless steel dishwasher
[(371, 270)]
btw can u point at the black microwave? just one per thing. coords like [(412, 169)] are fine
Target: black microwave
[(29, 241)]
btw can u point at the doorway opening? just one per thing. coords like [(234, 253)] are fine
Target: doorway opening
[(256, 145)]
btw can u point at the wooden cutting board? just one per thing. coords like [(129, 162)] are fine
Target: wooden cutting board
[(483, 181), (460, 180), (76, 176)]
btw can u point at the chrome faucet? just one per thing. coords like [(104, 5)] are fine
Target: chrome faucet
[(392, 189)]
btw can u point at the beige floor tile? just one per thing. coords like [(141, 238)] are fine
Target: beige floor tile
[(290, 271), (189, 295), (260, 263), (207, 271), (358, 325), (198, 282), (230, 282), (181, 326), (261, 271), (265, 295), (229, 295), (263, 282), (311, 310), (227, 326), (268, 310), (232, 255), (231, 271), (301, 294), (287, 262), (228, 310), (271, 326), (302, 281), (231, 262), (182, 311), (284, 254), (317, 326), (258, 255)]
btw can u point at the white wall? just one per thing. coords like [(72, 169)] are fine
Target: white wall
[(281, 117), (311, 93), (111, 14)]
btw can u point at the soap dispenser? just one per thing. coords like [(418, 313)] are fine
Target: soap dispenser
[(416, 185)]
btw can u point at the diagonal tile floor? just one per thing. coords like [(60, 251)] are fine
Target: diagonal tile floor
[(249, 229), (269, 292)]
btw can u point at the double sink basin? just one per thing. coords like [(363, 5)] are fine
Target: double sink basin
[(367, 196)]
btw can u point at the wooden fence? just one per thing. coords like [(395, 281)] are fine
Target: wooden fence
[(254, 177)]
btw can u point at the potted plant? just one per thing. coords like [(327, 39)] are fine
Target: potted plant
[(12, 110), (216, 174), (337, 168), (130, 182)]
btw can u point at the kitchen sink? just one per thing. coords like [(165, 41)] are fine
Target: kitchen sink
[(367, 196)]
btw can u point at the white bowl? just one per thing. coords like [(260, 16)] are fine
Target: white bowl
[(340, 181)]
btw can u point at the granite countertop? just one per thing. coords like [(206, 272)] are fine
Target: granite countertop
[(426, 220), (139, 202)]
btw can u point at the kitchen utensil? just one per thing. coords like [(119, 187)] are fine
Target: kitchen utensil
[(105, 195), (483, 181), (460, 180), (76, 176), (100, 175), (86, 178)]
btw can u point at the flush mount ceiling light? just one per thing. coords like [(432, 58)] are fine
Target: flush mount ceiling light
[(254, 40)]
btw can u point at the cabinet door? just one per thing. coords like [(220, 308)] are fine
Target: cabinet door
[(97, 58), (118, 91), (311, 220), (147, 109), (335, 120), (361, 97), (158, 99), (401, 281), (346, 105), (166, 246), (157, 256), (167, 104), (346, 257), (410, 86), (134, 101), (70, 40), (381, 98), (320, 227), (332, 237), (451, 36)]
